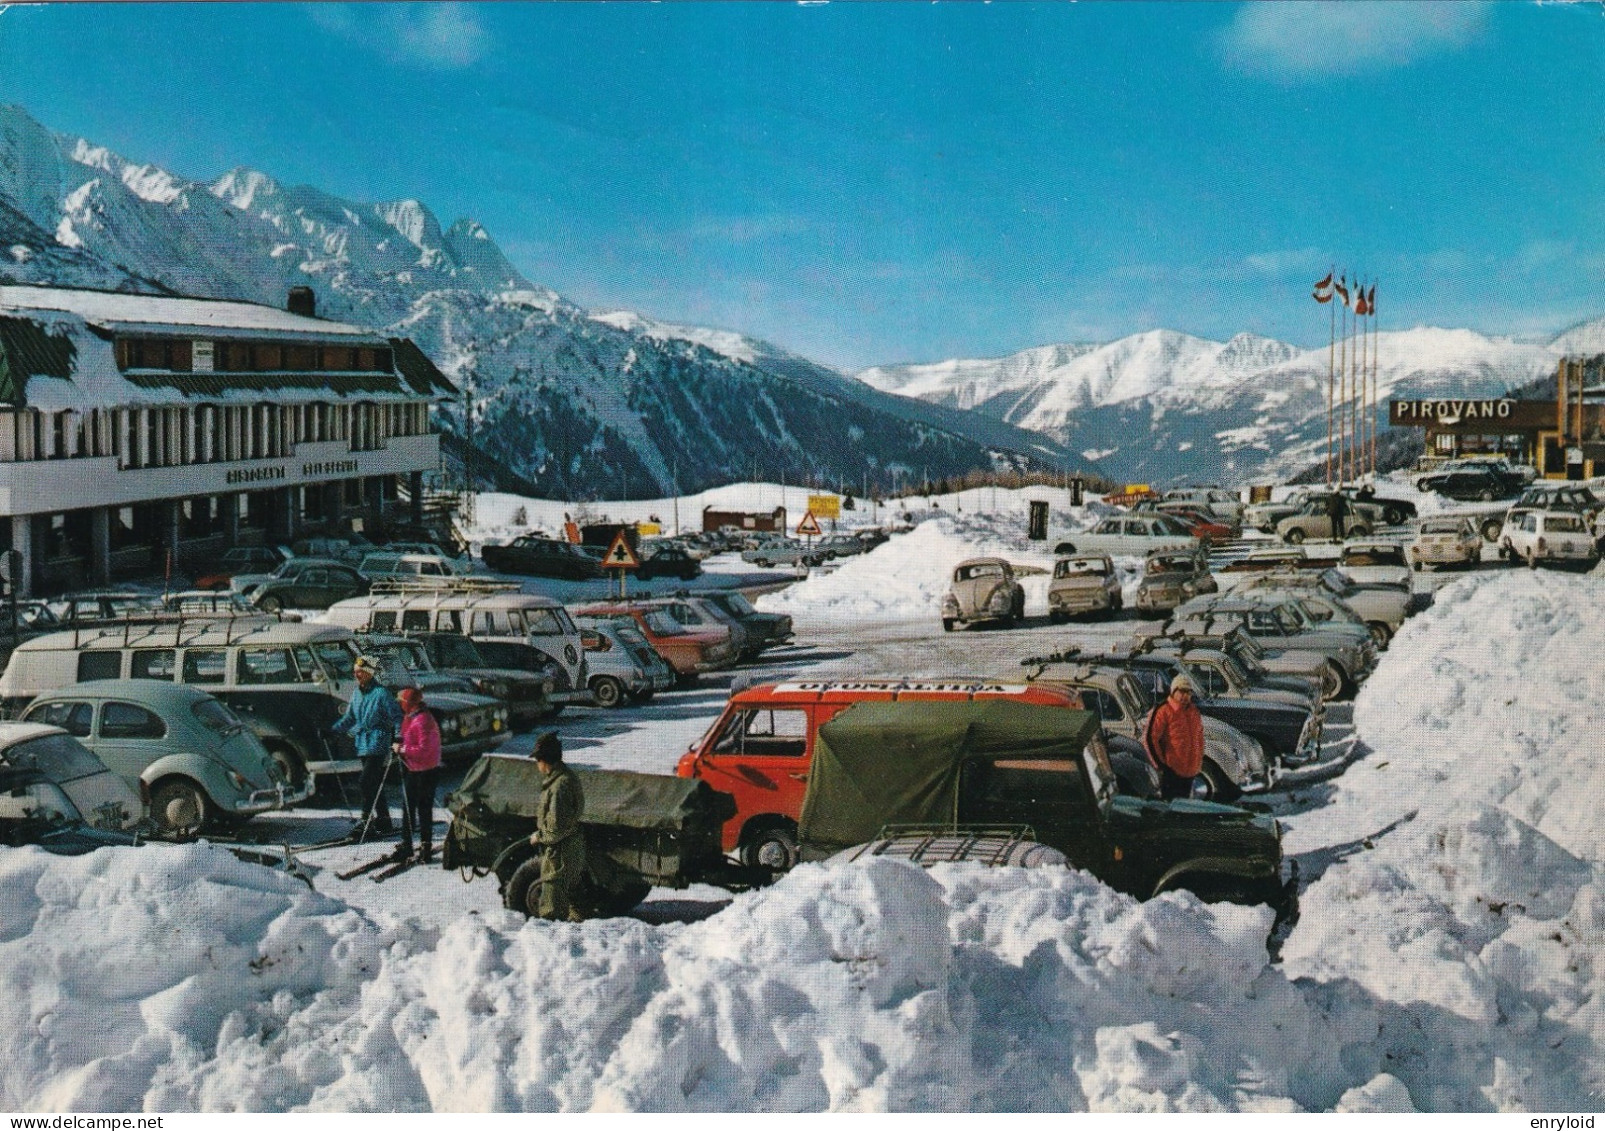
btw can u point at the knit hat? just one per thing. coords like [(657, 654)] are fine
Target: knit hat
[(410, 699), (1183, 683)]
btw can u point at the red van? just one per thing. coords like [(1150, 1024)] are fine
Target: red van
[(760, 749)]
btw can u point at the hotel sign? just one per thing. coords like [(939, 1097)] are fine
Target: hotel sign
[(1448, 413)]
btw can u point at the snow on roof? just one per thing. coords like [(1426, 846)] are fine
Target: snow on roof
[(160, 314)]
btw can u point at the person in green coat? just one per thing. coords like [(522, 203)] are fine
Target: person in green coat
[(557, 831)]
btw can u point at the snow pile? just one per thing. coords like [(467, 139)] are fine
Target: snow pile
[(905, 579)]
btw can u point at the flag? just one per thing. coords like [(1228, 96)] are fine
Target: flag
[(1371, 300), (1323, 289), (1342, 289), (1360, 308)]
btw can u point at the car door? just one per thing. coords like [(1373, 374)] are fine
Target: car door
[(128, 738), (761, 755)]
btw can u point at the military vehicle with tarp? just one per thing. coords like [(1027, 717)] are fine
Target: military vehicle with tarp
[(999, 763), (641, 831)]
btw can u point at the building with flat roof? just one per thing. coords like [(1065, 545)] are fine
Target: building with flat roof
[(142, 432)]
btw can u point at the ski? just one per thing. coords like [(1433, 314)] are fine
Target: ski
[(374, 865), (395, 869)]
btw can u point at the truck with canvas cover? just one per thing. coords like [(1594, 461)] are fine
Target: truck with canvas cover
[(998, 762), (641, 831)]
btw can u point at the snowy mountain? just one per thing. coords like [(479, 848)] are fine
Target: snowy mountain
[(573, 405), (1165, 406)]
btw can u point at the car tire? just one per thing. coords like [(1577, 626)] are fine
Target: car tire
[(1417, 567), (607, 691), (290, 764), (773, 847), (180, 808), (1056, 617), (1423, 486), (763, 563), (1217, 786), (1532, 559), (947, 624), (1065, 549), (271, 603), (1380, 633), (1293, 537), (1334, 680), (1491, 529), (523, 890), (1393, 516), (1359, 530)]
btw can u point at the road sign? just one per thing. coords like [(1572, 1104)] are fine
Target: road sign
[(809, 525), (619, 555), (825, 506)]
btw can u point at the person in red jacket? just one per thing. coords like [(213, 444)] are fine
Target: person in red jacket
[(420, 761), (1175, 740)]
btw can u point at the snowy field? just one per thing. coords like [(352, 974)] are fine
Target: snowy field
[(1449, 956)]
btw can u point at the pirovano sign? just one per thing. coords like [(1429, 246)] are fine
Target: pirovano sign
[(1448, 413)]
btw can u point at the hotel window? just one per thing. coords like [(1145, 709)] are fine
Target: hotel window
[(266, 357)]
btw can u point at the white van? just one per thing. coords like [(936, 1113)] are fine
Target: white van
[(526, 617)]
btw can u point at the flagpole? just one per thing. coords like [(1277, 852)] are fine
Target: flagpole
[(1371, 304), (1331, 380), (1343, 381)]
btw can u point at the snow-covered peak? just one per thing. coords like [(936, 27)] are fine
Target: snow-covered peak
[(1587, 338), (241, 187), (727, 343), (416, 223)]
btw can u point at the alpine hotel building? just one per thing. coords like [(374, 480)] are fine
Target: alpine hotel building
[(138, 432)]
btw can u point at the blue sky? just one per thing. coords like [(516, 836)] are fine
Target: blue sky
[(874, 183)]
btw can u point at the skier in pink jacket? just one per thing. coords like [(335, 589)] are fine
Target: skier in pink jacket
[(420, 761)]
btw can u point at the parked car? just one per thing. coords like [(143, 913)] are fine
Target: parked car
[(303, 583), (1256, 562), (1221, 503), (87, 610), (1560, 497), (1290, 669), (1380, 509), (36, 811), (983, 589), (689, 653), (1560, 537), (1171, 577), (1279, 623), (616, 651), (1287, 725), (190, 754), (535, 556), (1128, 534), (405, 570), (1234, 763), (1471, 483), (103, 798), (1206, 527), (697, 615), (764, 630), (1314, 522), (1380, 608), (1375, 563), (349, 550), (241, 559), (1368, 509), (527, 694), (1086, 583), (669, 561), (784, 551), (470, 724), (1011, 764), (1446, 540), (841, 546)]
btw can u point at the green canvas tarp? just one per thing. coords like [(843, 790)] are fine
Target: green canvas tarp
[(511, 787), (893, 763)]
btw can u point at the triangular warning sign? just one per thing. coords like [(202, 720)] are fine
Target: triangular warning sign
[(809, 525), (619, 555)]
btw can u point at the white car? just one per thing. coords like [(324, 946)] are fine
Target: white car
[(1446, 541), (1374, 563), (1128, 534), (1548, 536)]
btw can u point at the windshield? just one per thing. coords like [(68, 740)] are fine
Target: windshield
[(59, 757), (1134, 693), (1072, 567), (662, 623), (1290, 618), (458, 652), (1380, 555), (1436, 526), (985, 569), (336, 658), (39, 801), (739, 604), (549, 622), (1170, 565), (1336, 582)]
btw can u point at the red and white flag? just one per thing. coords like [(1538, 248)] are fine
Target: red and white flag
[(1360, 307), (1342, 289), (1323, 289)]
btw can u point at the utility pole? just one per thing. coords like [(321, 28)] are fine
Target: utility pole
[(676, 474)]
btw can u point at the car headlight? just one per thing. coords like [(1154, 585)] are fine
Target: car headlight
[(495, 688), (448, 725)]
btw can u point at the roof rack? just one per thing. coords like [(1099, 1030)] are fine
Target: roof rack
[(444, 586)]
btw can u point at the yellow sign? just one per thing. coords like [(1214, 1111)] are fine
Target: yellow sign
[(825, 506), (647, 529)]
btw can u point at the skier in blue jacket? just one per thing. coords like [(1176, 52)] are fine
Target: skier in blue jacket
[(372, 718)]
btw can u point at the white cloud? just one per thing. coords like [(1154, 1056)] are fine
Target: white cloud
[(1331, 37), (443, 36)]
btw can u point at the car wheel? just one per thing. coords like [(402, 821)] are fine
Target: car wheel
[(1359, 530), (607, 691), (289, 764), (763, 562), (1293, 537), (1393, 516), (1380, 633), (1504, 552), (1417, 567), (1423, 486), (1532, 559), (180, 808), (1491, 529), (1056, 617), (1333, 679), (774, 847), (1213, 784), (1065, 548), (947, 624), (271, 604)]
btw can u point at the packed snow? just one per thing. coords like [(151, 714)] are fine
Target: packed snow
[(1448, 957)]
